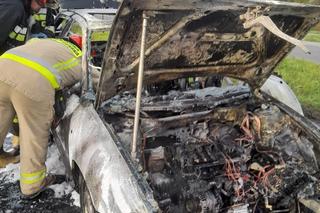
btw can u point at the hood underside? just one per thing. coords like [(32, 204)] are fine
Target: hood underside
[(199, 38)]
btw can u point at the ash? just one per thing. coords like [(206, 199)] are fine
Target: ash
[(58, 198)]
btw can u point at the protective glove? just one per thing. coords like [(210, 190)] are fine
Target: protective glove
[(38, 35)]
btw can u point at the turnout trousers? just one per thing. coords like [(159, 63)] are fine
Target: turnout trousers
[(35, 119)]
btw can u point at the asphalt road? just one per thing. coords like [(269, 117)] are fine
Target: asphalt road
[(313, 47)]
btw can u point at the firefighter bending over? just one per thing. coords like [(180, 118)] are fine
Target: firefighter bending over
[(29, 77)]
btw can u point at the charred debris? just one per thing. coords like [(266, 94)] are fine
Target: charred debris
[(218, 150)]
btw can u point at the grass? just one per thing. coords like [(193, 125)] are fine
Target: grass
[(313, 36), (317, 27), (304, 79)]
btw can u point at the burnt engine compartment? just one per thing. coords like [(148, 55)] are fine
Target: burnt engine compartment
[(218, 150)]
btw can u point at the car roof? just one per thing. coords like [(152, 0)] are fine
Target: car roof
[(91, 18), (82, 4)]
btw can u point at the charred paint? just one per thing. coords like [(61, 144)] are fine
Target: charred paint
[(289, 25), (211, 38)]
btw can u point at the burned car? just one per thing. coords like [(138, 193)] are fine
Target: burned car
[(169, 145)]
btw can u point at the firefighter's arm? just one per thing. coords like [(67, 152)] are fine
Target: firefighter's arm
[(49, 28), (9, 18)]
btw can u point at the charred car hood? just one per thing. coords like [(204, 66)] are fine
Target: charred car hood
[(198, 38)]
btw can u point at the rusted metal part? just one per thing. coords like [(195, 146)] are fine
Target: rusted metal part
[(155, 75), (311, 129), (139, 88), (188, 105), (152, 127), (208, 98), (162, 40), (271, 117), (192, 39)]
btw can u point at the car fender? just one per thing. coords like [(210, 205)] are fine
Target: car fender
[(111, 183), (280, 90)]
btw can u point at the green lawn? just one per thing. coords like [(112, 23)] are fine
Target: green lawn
[(313, 36), (304, 79)]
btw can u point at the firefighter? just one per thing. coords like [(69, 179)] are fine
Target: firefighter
[(14, 21), (14, 18), (29, 77), (43, 26)]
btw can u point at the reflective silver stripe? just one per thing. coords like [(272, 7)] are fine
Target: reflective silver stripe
[(17, 29), (39, 61), (42, 10), (50, 28), (20, 30), (24, 30)]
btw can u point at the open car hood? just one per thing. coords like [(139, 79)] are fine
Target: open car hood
[(198, 38)]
